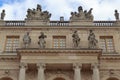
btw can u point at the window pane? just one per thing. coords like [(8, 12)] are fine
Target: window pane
[(59, 41), (12, 43), (106, 43)]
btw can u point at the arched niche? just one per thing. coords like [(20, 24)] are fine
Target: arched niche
[(59, 78), (112, 78), (6, 78)]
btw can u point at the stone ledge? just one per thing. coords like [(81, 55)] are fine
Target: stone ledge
[(59, 51)]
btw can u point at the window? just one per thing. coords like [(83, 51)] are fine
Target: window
[(59, 41), (12, 43), (106, 43)]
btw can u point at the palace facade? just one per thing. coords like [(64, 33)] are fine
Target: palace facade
[(40, 49)]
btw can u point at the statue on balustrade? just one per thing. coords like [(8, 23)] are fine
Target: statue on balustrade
[(26, 40), (3, 14), (92, 41), (42, 41), (116, 15), (76, 39), (82, 15), (38, 14)]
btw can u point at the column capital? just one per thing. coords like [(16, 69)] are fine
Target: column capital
[(41, 65), (77, 65), (23, 65), (95, 65)]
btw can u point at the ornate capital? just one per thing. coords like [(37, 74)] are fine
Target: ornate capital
[(77, 65), (95, 65), (23, 65), (41, 65)]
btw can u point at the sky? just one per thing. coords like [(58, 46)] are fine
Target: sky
[(102, 9)]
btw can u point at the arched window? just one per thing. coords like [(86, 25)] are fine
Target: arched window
[(112, 78), (59, 78), (6, 78)]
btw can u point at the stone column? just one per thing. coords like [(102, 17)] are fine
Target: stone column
[(41, 68), (22, 71), (96, 75), (77, 71)]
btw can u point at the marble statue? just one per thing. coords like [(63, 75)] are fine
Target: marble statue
[(82, 15), (76, 39), (116, 15), (3, 14), (42, 41), (38, 14), (26, 40), (92, 41)]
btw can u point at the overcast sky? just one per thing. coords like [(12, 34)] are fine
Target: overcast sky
[(102, 9)]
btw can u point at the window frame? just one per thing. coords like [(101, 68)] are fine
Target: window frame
[(58, 38), (12, 43), (107, 46)]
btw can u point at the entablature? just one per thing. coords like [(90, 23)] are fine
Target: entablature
[(110, 57), (54, 51)]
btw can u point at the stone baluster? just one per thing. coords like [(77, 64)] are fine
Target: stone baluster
[(96, 75), (22, 71), (41, 68), (77, 71)]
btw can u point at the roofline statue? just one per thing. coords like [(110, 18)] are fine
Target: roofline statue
[(116, 15), (3, 14)]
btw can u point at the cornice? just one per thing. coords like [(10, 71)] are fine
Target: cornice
[(110, 57), (9, 58), (65, 51)]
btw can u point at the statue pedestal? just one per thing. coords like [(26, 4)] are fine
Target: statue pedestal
[(81, 22), (36, 22), (117, 23), (2, 22)]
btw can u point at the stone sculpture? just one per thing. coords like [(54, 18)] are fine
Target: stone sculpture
[(76, 39), (26, 40), (3, 14), (81, 15), (92, 41), (38, 14), (42, 41), (116, 15)]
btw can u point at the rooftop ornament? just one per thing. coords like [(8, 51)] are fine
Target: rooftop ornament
[(2, 15), (116, 15), (82, 15), (38, 14)]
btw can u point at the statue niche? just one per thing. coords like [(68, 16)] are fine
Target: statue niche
[(38, 14), (81, 15)]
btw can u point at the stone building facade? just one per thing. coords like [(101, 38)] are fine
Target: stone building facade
[(54, 53)]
